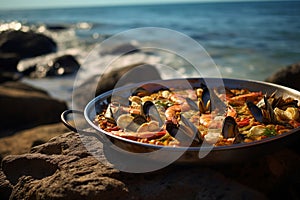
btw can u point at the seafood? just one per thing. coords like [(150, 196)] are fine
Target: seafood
[(188, 117), (265, 113)]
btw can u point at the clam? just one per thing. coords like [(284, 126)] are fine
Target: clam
[(124, 120), (290, 113), (130, 123), (147, 118)]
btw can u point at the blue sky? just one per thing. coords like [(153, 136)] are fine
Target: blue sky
[(21, 4)]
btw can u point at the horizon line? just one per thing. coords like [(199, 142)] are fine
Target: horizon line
[(140, 4)]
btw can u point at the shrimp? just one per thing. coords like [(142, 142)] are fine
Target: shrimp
[(181, 105), (171, 113), (240, 99), (231, 112)]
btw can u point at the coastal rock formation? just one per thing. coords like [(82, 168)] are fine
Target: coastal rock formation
[(10, 76), (24, 106), (50, 65), (26, 44), (62, 168), (288, 76), (22, 141), (98, 84), (134, 73), (8, 62), (17, 45), (63, 65)]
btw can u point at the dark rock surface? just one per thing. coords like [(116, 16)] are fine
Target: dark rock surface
[(51, 65), (22, 141), (26, 44), (9, 62), (288, 76), (65, 64), (5, 186), (17, 45), (24, 106), (138, 72), (135, 73), (10, 76), (62, 168), (56, 27)]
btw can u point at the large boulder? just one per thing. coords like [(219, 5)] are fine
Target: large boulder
[(24, 106), (22, 141), (16, 45), (288, 76), (50, 65), (26, 44), (135, 73), (10, 76), (9, 62), (63, 169), (98, 84)]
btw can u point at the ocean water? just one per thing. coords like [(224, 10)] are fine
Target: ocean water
[(244, 39)]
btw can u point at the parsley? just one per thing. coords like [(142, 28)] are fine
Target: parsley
[(164, 104), (269, 132)]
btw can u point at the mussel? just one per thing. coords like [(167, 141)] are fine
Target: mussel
[(113, 112), (151, 113), (279, 102), (185, 132), (209, 101), (265, 113), (230, 130)]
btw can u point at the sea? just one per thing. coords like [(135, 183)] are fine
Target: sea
[(247, 40)]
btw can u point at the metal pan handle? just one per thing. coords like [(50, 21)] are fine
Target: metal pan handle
[(65, 121)]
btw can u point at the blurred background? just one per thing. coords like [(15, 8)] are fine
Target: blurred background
[(245, 39)]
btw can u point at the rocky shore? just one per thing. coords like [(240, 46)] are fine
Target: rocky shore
[(41, 159)]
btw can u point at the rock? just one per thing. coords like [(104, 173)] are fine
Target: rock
[(26, 44), (53, 27), (288, 76), (5, 186), (115, 78), (10, 76), (9, 62), (23, 106), (17, 45), (22, 141), (63, 169), (50, 65), (63, 65), (134, 73)]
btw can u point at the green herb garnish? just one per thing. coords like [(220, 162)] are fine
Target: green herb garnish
[(164, 104), (269, 132)]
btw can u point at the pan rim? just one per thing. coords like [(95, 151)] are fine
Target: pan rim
[(90, 106)]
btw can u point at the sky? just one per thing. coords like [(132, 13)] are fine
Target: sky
[(27, 4)]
